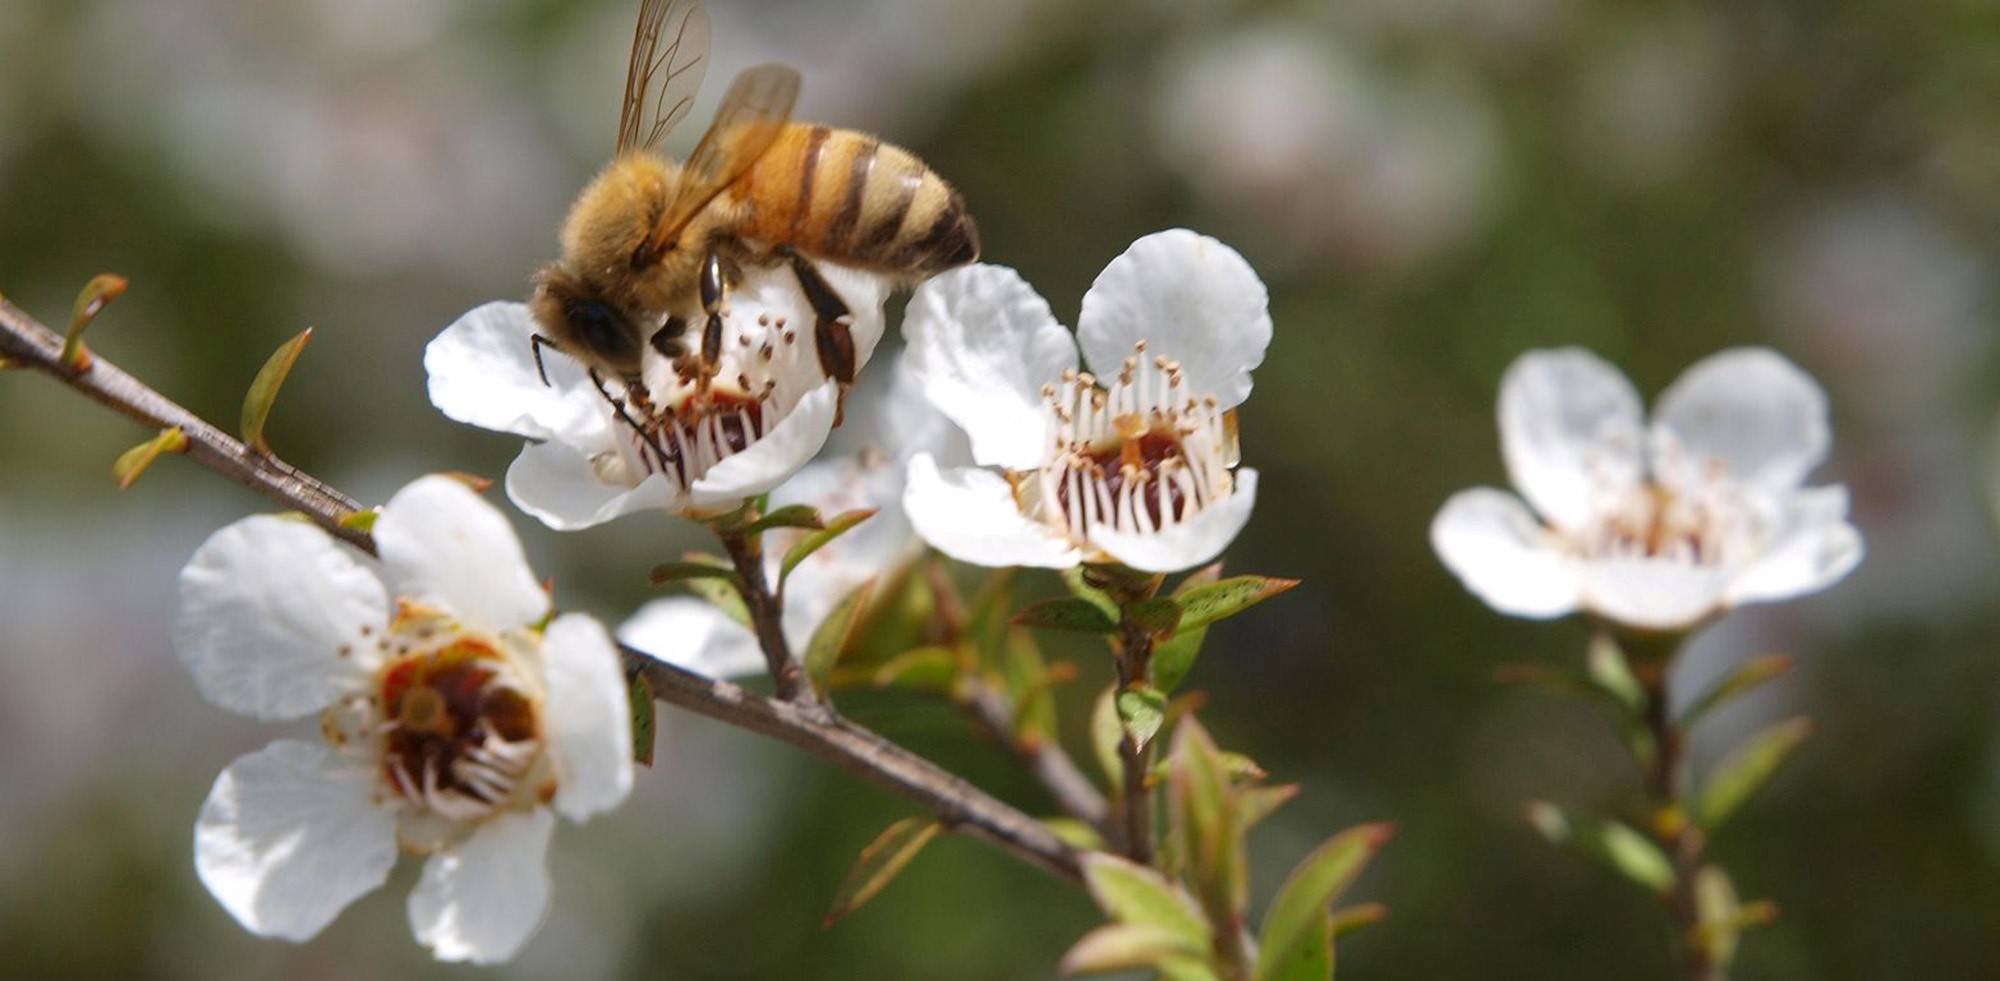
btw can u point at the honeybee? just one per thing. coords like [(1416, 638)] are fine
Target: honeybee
[(652, 246)]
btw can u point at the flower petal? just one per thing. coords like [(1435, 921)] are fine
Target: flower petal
[(1494, 545), (1747, 411), (1191, 299), (982, 344), (556, 483), (970, 515), (271, 617), (482, 371), (482, 899), (289, 836), (1570, 430), (1189, 544), (767, 462), (1812, 548), (1653, 594), (589, 717), (689, 633), (441, 543)]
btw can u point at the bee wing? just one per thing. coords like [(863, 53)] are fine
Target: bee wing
[(752, 114), (669, 56)]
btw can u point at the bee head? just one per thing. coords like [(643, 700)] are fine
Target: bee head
[(585, 326)]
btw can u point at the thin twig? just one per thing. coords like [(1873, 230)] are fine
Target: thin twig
[(1073, 792), (857, 750), (1666, 783), (1135, 667), (767, 619)]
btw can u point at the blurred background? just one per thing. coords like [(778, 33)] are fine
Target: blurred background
[(1429, 187)]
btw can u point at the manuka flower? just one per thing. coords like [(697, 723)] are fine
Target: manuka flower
[(1660, 527), (1135, 464), (689, 444), (455, 714)]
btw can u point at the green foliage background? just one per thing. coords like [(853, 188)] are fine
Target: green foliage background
[(1429, 188)]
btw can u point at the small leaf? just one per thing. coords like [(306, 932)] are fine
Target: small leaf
[(1030, 686), (1254, 804), (1612, 674), (792, 516), (1752, 675), (1357, 917), (880, 862), (1309, 959), (1608, 843), (1080, 616), (1298, 914), (477, 483), (1126, 947), (1204, 605), (1205, 576), (922, 667), (1106, 734), (640, 691), (1205, 814), (264, 388), (362, 521), (1078, 579), (1173, 659), (723, 593), (133, 462), (91, 301), (1748, 768), (673, 572), (830, 639), (1132, 893), (1158, 616), (814, 541), (1079, 835), (1141, 710)]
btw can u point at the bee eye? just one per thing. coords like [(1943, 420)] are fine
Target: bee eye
[(602, 330)]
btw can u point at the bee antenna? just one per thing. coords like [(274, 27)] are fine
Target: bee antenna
[(536, 343)]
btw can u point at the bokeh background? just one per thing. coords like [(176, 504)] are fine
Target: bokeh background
[(1429, 187)]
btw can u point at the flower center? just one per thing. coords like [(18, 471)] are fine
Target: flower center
[(460, 737), (1140, 455), (1709, 526)]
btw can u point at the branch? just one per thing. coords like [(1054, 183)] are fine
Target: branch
[(1666, 783), (1073, 792), (857, 750)]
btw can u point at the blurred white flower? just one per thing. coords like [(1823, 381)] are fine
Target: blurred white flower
[(688, 448), (1140, 471), (455, 715), (1656, 528), (900, 424)]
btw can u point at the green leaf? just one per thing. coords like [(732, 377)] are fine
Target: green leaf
[(90, 301), (673, 572), (362, 521), (1158, 616), (814, 541), (1106, 733), (1205, 811), (1204, 605), (1607, 843), (1080, 616), (1747, 769), (1612, 674), (1132, 893), (1205, 576), (791, 516), (829, 640), (722, 593), (922, 667), (1298, 914), (1077, 578), (133, 462), (1141, 710), (1308, 959), (1750, 676), (1254, 804), (1352, 918), (264, 389), (880, 862), (640, 692), (1126, 947), (1079, 835), (1173, 659), (1029, 687)]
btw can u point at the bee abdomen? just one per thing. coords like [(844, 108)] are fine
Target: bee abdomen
[(853, 198)]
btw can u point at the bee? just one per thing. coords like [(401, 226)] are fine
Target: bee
[(652, 246)]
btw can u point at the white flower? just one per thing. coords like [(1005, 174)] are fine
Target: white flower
[(686, 448), (1656, 528), (1133, 465), (888, 431), (453, 720)]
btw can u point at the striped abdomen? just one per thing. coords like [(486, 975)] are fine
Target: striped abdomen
[(853, 199)]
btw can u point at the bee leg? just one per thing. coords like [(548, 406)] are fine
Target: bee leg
[(535, 343), (831, 332), (667, 340), (712, 292), (618, 406)]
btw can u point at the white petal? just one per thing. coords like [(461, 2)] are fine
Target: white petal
[(556, 484), (767, 462), (1812, 548), (481, 900), (1653, 594), (289, 836), (1746, 413), (441, 543), (1490, 541), (1187, 545), (969, 514), (271, 618), (1570, 430), (982, 344), (589, 717), (689, 633), (1190, 298), (482, 372)]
